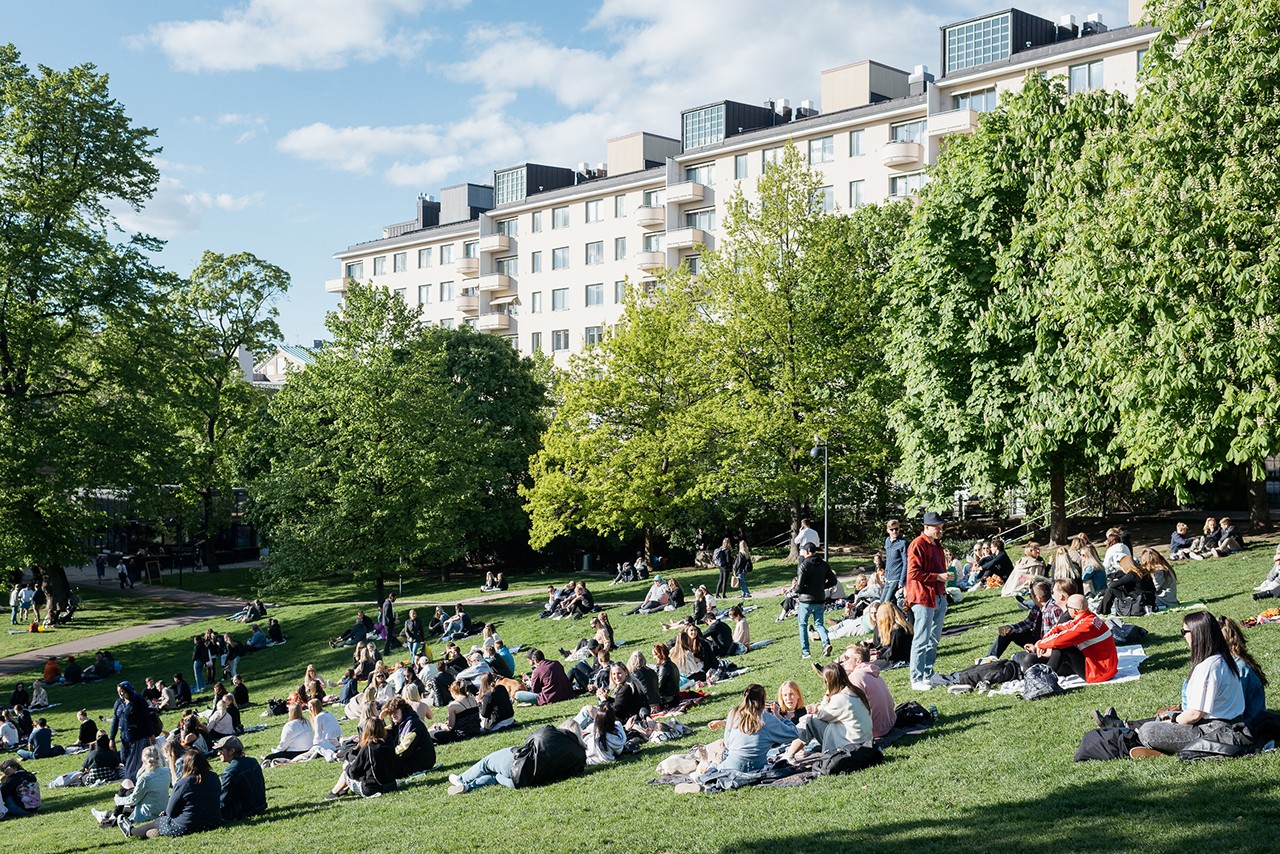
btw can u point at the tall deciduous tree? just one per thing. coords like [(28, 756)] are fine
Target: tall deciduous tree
[(984, 331), (1190, 238), (75, 309), (400, 446)]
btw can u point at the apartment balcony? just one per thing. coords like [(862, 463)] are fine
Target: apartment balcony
[(495, 243), (903, 155), (468, 267), (687, 238), (953, 121), (496, 282), (650, 217), (335, 286), (493, 322), (651, 261), (689, 191), (467, 302)]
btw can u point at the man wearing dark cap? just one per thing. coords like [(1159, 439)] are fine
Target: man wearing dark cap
[(927, 577), (244, 792), (813, 577)]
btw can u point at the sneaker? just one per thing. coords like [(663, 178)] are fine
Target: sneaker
[(1196, 556), (457, 789), (332, 796), (564, 653), (125, 825), (922, 686), (1097, 718), (455, 780), (1144, 753), (100, 815), (817, 668), (826, 651), (804, 655)]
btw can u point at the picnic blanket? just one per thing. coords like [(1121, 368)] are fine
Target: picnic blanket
[(686, 701), (1271, 615), (959, 629), (1129, 658)]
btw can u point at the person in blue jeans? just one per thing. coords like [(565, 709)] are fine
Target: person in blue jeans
[(927, 576), (494, 768), (895, 560), (813, 578)]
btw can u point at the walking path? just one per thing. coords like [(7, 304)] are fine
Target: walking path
[(198, 606)]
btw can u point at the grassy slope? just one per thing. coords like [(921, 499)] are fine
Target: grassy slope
[(103, 610), (994, 773)]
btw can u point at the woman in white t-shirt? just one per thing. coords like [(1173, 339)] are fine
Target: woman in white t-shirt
[(1213, 691)]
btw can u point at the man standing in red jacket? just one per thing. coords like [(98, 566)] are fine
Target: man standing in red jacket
[(1082, 646), (927, 577)]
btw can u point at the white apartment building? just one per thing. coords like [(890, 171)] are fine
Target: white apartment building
[(543, 255)]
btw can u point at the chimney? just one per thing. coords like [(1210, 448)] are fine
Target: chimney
[(918, 82), (1067, 28), (1093, 25)]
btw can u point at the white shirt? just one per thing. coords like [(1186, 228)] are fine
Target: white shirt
[(807, 535), (295, 735), (1214, 690), (328, 732), (1111, 560), (9, 734)]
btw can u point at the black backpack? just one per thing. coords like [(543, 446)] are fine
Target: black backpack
[(1107, 743), (846, 760), (155, 724), (1219, 740), (548, 756), (1039, 681), (911, 714)]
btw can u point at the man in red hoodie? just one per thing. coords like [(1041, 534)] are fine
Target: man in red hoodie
[(1082, 646)]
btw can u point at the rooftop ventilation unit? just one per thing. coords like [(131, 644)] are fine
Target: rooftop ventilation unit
[(1093, 25)]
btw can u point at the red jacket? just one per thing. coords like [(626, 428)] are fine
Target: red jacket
[(1089, 634), (926, 566)]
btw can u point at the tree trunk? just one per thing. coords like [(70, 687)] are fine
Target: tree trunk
[(648, 545), (210, 550), (1259, 506), (1058, 499), (380, 590), (56, 588), (797, 511)]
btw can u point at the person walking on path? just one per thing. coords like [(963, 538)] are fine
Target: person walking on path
[(387, 617), (122, 572), (813, 577), (895, 560), (927, 577)]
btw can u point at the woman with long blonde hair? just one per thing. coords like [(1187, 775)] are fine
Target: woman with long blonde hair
[(893, 635), (1162, 576), (842, 719), (750, 732)]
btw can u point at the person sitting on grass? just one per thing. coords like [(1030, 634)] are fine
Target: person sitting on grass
[(458, 625), (789, 706), (655, 599), (668, 675), (87, 735), (1204, 545), (101, 764), (52, 674), (9, 731), (1082, 646), (357, 634), (1043, 616), (589, 675), (1253, 680), (275, 633), (490, 583), (184, 691), (582, 602), (741, 631), (244, 792), (1180, 542), (39, 696), (370, 768), (1213, 692), (892, 636), (587, 646), (645, 680), (1163, 578), (412, 744), (462, 719), (257, 638), (296, 737), (40, 743), (1134, 582), (144, 800), (841, 719), (750, 732), (225, 718), (194, 804), (496, 711), (1270, 586), (865, 676), (19, 790), (239, 691), (547, 682), (1229, 541), (693, 655)]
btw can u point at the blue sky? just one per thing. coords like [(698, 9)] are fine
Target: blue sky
[(294, 128)]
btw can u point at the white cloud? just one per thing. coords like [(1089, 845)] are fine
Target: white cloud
[(646, 60), (176, 210), (294, 34)]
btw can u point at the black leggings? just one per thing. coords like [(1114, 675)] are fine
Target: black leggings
[(1064, 662), (722, 584)]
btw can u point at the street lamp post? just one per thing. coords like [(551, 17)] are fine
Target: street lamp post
[(820, 443)]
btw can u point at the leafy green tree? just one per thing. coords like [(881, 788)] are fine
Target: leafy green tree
[(984, 321), (400, 446), (1190, 347), (77, 310)]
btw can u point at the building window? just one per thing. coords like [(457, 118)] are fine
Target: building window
[(403, 294), (822, 150), (535, 262), (909, 131), (446, 254), (702, 174), (1085, 76), (856, 191), (560, 258), (855, 143), (447, 323), (593, 335), (399, 262), (560, 299), (560, 217), (355, 270), (770, 157), (654, 198), (594, 210), (559, 340), (619, 291), (906, 185), (620, 205), (509, 227), (704, 219), (535, 342), (425, 294), (595, 253), (702, 127), (739, 167), (654, 242), (509, 266), (982, 101), (509, 186), (535, 302), (471, 249), (595, 294), (535, 224), (824, 199), (695, 264), (967, 45), (446, 292), (1142, 57), (380, 265), (424, 258), (619, 248)]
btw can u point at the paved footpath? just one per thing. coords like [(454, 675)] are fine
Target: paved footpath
[(199, 606)]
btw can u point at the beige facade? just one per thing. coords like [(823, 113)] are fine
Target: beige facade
[(547, 269)]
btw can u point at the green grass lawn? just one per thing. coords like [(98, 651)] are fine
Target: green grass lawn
[(103, 610), (993, 774)]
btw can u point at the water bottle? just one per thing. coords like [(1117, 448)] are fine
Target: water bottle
[(933, 712)]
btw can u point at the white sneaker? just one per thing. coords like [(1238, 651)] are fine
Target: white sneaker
[(100, 815), (455, 780), (457, 790), (921, 686)]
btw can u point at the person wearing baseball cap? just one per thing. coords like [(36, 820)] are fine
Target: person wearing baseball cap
[(926, 593), (244, 792)]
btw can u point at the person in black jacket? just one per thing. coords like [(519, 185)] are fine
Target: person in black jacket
[(813, 577), (244, 792), (668, 675), (723, 559), (387, 615), (414, 749), (997, 563), (1136, 582), (371, 767), (415, 634), (718, 635), (496, 711)]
